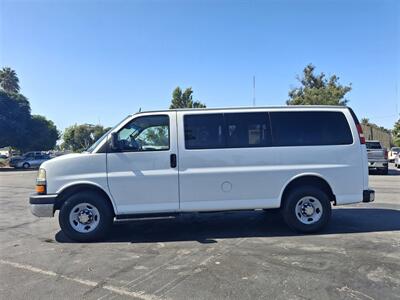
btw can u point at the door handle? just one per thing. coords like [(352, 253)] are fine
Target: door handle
[(172, 160)]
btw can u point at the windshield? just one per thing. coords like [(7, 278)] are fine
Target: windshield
[(91, 148), (396, 149), (104, 136)]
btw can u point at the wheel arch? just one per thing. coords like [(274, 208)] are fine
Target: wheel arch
[(312, 179), (73, 188)]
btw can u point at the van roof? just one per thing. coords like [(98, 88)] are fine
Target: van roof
[(248, 107)]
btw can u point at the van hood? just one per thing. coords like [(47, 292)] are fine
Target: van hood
[(67, 158)]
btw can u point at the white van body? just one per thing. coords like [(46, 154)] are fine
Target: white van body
[(253, 173)]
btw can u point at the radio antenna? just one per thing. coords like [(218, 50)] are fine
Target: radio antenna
[(254, 90)]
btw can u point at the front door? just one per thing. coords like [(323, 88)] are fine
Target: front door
[(143, 175)]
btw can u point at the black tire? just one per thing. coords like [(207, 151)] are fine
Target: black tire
[(384, 171), (104, 208), (26, 165), (289, 209)]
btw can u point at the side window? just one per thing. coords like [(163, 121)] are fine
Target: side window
[(148, 133), (247, 130), (310, 128), (204, 131)]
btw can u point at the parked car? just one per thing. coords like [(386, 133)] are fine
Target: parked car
[(300, 160), (377, 157), (397, 160), (15, 159), (392, 153), (30, 160)]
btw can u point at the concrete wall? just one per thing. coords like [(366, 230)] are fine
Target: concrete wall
[(373, 133)]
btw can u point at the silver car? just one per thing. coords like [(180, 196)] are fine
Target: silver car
[(32, 160)]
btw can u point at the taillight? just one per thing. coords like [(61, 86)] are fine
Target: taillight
[(386, 154), (361, 134)]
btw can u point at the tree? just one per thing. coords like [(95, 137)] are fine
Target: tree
[(18, 128), (15, 115), (365, 121), (80, 137), (184, 100), (43, 134), (157, 136), (318, 90), (9, 81), (396, 133), (21, 130)]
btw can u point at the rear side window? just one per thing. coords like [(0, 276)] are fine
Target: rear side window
[(373, 145), (204, 131), (247, 130), (310, 128)]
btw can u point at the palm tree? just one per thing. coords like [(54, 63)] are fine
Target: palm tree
[(9, 81), (365, 121)]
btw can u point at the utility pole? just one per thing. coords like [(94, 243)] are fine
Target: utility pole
[(254, 90)]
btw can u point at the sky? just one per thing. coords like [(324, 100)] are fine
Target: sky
[(98, 61)]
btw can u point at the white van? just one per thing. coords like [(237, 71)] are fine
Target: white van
[(300, 159)]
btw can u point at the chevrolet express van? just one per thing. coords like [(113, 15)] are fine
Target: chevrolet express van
[(299, 159)]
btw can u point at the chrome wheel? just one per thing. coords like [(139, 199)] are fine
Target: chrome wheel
[(308, 210), (84, 217)]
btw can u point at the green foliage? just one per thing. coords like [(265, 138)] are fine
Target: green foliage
[(9, 81), (18, 128), (43, 134), (184, 100), (21, 130), (318, 90), (15, 115), (396, 133), (80, 137), (156, 136)]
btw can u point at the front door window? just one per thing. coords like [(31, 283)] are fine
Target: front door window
[(148, 133)]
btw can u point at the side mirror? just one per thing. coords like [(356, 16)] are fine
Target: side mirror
[(114, 142)]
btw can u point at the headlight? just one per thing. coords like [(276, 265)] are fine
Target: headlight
[(41, 182)]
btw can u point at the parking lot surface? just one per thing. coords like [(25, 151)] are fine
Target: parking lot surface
[(241, 255)]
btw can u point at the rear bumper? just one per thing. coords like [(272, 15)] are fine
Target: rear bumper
[(377, 164), (368, 195), (42, 205)]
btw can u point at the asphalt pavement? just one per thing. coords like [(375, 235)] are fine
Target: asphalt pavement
[(241, 255)]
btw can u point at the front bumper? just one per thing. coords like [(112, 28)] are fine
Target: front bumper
[(42, 205), (368, 195)]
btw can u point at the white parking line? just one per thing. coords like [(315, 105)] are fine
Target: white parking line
[(110, 288)]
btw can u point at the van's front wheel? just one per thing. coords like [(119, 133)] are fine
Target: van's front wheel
[(86, 217), (307, 209)]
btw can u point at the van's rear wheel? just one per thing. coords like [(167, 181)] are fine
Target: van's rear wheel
[(307, 209), (86, 217)]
